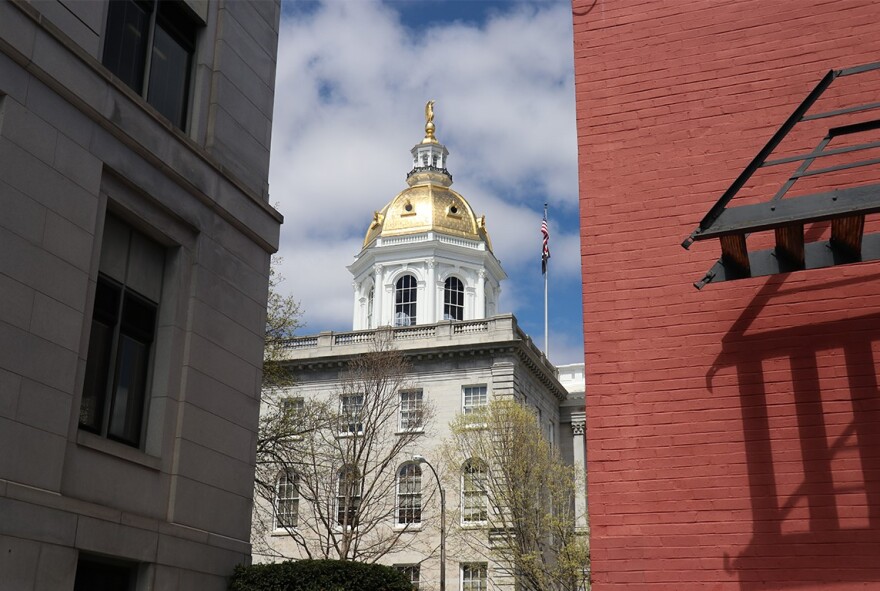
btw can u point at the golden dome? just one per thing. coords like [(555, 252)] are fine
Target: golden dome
[(428, 205)]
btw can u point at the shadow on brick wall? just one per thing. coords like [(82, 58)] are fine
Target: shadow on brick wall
[(812, 443)]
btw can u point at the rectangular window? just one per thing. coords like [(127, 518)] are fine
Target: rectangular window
[(149, 45), (410, 411), (473, 398), (286, 501), (409, 494), (348, 497), (411, 571), (473, 492), (123, 328), (474, 576), (351, 415)]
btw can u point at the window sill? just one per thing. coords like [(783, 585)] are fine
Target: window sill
[(418, 431), (345, 434), (119, 450), (282, 533), (474, 524), (413, 527)]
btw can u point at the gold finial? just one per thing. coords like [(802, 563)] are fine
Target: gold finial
[(429, 124)]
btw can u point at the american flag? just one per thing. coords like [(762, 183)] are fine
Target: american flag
[(545, 251)]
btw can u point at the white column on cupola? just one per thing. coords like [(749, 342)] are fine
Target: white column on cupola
[(358, 312), (378, 290), (431, 291), (481, 295)]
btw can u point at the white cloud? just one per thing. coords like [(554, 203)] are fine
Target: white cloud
[(350, 91)]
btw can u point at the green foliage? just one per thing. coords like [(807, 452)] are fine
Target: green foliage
[(318, 575), (283, 319), (531, 493)]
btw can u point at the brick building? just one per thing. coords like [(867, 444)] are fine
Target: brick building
[(135, 235), (733, 440)]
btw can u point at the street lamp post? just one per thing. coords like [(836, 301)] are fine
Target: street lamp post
[(422, 460)]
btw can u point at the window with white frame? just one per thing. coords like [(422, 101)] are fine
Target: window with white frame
[(286, 500), (411, 411), (474, 503), (149, 45), (473, 398), (124, 320), (351, 414), (405, 291), (409, 494), (411, 572), (348, 496), (453, 299), (474, 576)]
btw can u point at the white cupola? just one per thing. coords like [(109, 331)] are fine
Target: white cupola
[(426, 257)]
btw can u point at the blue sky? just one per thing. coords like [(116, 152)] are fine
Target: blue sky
[(353, 77)]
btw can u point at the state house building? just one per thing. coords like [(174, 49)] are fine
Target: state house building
[(428, 279)]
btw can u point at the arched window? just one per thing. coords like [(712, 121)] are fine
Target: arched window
[(453, 299), (348, 496), (286, 500), (474, 473), (405, 301), (409, 494)]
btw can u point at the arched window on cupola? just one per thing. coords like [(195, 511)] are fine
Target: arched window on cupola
[(405, 301), (453, 299)]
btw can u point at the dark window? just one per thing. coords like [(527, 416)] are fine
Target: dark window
[(123, 329), (348, 497), (162, 73), (352, 414), (453, 299), (405, 301), (100, 574)]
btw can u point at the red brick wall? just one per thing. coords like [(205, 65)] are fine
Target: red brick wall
[(734, 432)]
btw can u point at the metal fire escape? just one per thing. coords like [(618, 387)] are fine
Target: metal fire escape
[(846, 205)]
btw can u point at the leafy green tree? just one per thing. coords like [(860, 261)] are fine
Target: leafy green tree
[(530, 525)]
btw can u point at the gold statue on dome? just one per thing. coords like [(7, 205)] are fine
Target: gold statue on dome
[(429, 123)]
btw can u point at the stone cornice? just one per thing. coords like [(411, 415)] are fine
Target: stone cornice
[(498, 335)]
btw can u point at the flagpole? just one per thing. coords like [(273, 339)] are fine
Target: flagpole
[(546, 325)]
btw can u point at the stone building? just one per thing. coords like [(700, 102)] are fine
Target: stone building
[(428, 280), (135, 236)]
